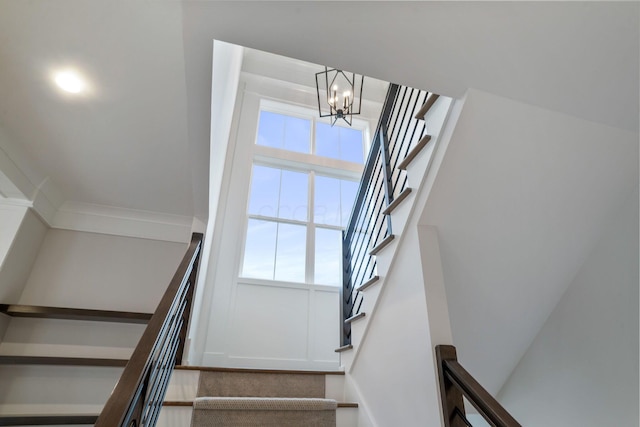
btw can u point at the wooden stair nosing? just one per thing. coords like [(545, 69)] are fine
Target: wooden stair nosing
[(414, 152), (61, 361), (347, 405), (343, 348), (190, 403), (46, 420), (177, 403), (42, 312), (382, 244), (396, 202), (255, 371), (426, 106), (368, 283), (356, 317)]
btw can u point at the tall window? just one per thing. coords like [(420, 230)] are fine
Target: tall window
[(300, 198)]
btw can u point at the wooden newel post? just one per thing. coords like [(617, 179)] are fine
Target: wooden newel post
[(452, 403)]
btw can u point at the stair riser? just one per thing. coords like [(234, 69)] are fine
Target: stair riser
[(183, 385), (72, 338), (334, 387), (175, 416), (418, 166), (45, 389)]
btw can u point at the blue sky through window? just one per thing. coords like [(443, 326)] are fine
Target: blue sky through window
[(284, 132), (339, 143), (278, 193), (333, 200)]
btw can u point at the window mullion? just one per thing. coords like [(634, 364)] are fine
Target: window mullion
[(275, 254), (311, 235), (313, 136), (275, 219)]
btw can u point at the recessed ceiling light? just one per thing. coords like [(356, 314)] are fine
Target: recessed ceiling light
[(70, 81)]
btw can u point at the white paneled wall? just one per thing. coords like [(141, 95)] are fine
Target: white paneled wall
[(280, 326)]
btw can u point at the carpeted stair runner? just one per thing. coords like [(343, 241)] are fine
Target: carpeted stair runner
[(248, 399), (260, 384), (263, 411)]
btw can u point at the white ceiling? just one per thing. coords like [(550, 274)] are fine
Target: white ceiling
[(140, 139), (125, 142), (575, 57)]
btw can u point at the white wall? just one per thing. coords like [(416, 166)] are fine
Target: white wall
[(227, 62), (582, 368), (520, 199), (394, 374), (21, 257), (21, 235), (10, 218), (89, 270)]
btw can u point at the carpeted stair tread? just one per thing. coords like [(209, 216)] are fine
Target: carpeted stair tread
[(265, 403), (263, 412), (254, 384)]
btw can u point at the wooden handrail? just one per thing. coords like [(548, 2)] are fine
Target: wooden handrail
[(455, 382), (146, 375)]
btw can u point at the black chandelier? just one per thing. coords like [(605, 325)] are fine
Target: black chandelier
[(339, 92)]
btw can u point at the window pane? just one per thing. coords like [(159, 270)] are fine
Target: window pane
[(293, 195), (284, 132), (339, 143), (291, 253), (297, 134), (348, 191), (260, 249), (328, 254), (271, 129), (351, 145), (327, 141), (327, 201), (265, 188)]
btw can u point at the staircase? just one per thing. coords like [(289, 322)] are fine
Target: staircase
[(203, 396), (409, 132), (63, 380), (58, 366)]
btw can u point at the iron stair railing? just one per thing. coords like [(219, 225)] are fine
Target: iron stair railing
[(397, 132), (137, 399)]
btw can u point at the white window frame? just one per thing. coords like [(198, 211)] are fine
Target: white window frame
[(300, 162)]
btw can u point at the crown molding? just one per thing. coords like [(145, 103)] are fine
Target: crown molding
[(93, 218), (20, 185)]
